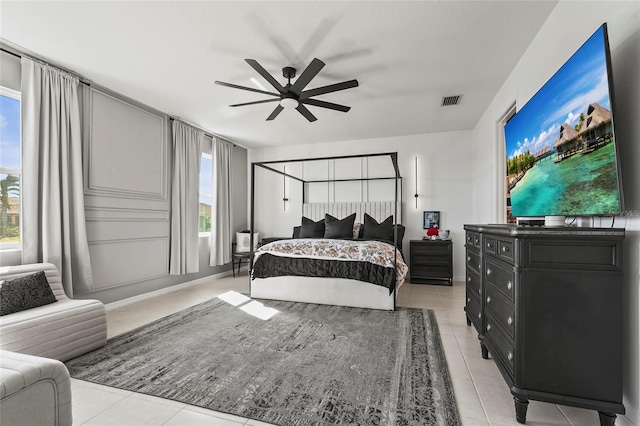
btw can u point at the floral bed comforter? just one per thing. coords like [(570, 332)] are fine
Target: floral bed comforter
[(363, 260)]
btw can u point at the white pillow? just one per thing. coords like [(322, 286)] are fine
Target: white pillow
[(242, 241)]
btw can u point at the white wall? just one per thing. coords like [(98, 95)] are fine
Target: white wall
[(444, 173), (568, 26)]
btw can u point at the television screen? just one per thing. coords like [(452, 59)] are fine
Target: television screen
[(560, 146)]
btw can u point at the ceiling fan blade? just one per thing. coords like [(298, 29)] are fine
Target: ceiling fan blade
[(235, 86), (307, 75), (256, 102), (328, 89), (256, 66), (275, 112), (323, 104), (307, 114)]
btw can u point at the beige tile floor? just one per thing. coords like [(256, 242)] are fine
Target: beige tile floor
[(482, 396)]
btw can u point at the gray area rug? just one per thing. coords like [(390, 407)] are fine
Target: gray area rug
[(307, 365)]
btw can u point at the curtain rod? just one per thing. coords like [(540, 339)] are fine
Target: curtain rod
[(20, 55), (206, 132), (86, 83)]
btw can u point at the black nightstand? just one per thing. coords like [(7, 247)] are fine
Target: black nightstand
[(431, 261)]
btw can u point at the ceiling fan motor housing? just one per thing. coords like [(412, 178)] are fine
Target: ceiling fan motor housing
[(288, 72)]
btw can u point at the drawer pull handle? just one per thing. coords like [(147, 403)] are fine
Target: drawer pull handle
[(468, 279), (488, 271), (509, 285), (488, 327), (479, 291), (479, 266), (479, 314), (469, 300), (505, 249), (509, 320), (488, 299), (510, 356), (468, 258)]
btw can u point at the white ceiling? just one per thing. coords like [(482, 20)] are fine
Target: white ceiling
[(405, 55)]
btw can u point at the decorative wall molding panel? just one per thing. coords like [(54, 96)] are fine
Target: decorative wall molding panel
[(125, 214), (122, 136), (138, 259)]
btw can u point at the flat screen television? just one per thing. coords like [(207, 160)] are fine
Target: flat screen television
[(560, 146)]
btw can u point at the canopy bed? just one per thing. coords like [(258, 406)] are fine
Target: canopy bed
[(344, 253)]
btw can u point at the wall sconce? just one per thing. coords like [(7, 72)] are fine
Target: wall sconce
[(416, 194), (284, 188)]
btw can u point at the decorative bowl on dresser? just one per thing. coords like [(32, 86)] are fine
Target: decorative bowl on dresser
[(547, 305), (431, 261)]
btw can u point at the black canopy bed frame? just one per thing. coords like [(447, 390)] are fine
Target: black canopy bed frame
[(310, 286)]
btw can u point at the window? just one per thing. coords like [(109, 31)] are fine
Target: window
[(206, 193), (9, 169)]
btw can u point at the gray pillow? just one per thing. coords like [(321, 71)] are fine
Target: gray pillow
[(339, 228), (296, 232), (311, 229), (25, 293), (378, 231)]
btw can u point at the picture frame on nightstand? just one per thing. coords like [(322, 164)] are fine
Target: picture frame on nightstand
[(431, 219)]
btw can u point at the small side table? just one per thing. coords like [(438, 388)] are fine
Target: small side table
[(431, 261)]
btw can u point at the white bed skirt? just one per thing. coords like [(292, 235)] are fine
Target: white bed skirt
[(324, 291)]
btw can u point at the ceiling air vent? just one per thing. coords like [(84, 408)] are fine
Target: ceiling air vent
[(451, 100)]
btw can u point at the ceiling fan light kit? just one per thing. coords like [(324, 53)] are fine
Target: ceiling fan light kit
[(292, 96), (289, 103)]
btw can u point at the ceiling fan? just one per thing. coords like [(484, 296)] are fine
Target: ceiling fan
[(294, 95)]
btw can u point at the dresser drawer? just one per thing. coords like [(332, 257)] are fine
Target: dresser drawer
[(473, 260), (501, 311), (473, 309), (473, 239), (418, 270), (502, 344), (505, 250), (434, 260), (474, 283), (489, 244), (431, 248), (501, 277)]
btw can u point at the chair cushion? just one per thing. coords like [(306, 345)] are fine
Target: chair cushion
[(27, 292)]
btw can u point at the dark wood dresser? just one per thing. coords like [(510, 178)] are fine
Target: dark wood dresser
[(431, 261), (547, 305)]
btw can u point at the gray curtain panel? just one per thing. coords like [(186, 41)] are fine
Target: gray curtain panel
[(53, 220), (220, 253), (185, 185)]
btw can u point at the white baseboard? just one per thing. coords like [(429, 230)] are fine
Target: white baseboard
[(166, 290), (623, 420)]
